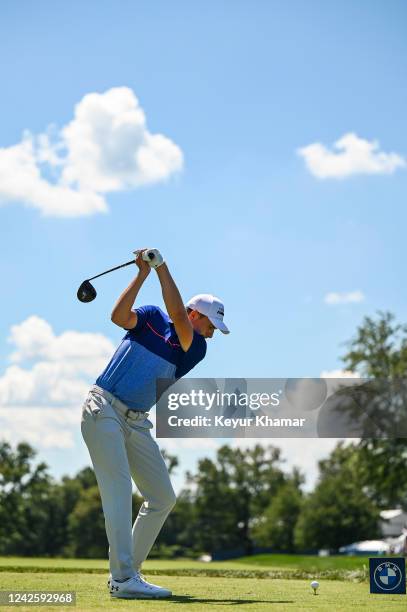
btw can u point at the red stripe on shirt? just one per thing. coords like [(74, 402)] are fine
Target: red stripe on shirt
[(157, 334)]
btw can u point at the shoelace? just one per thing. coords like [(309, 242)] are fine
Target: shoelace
[(142, 580)]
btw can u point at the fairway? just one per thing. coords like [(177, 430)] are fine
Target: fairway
[(273, 580)]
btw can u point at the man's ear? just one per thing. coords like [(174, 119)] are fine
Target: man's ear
[(195, 315)]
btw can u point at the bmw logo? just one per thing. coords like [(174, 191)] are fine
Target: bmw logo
[(387, 576)]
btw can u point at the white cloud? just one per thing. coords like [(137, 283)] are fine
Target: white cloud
[(41, 402), (110, 148), (44, 428), (106, 147), (21, 181), (339, 374), (63, 365), (34, 337), (351, 155), (351, 297)]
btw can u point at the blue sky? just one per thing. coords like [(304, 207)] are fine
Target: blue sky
[(236, 89)]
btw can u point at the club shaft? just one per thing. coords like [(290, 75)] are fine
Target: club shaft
[(113, 269)]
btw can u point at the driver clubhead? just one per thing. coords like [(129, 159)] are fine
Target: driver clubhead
[(86, 292)]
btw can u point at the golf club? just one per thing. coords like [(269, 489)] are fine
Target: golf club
[(87, 292)]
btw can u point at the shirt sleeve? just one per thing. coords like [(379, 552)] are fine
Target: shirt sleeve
[(193, 356), (144, 314)]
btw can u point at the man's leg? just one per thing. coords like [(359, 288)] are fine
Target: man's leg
[(104, 438), (150, 474)]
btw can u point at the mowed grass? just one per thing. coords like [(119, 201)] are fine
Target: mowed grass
[(201, 594), (279, 562), (198, 586), (306, 562)]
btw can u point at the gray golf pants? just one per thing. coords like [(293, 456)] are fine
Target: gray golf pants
[(121, 448)]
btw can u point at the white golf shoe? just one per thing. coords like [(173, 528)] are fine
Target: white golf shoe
[(136, 588)]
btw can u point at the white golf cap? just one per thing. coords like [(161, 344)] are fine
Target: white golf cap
[(211, 307)]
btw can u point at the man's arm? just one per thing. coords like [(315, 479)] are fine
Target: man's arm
[(122, 314), (175, 307)]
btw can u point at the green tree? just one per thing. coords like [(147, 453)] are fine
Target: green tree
[(338, 511), (25, 501), (86, 526), (65, 496), (230, 492), (379, 350), (276, 527)]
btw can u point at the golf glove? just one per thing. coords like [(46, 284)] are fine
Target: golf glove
[(154, 257)]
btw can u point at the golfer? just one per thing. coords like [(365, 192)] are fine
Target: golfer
[(115, 424)]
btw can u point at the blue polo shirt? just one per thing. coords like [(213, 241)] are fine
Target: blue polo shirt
[(149, 351)]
